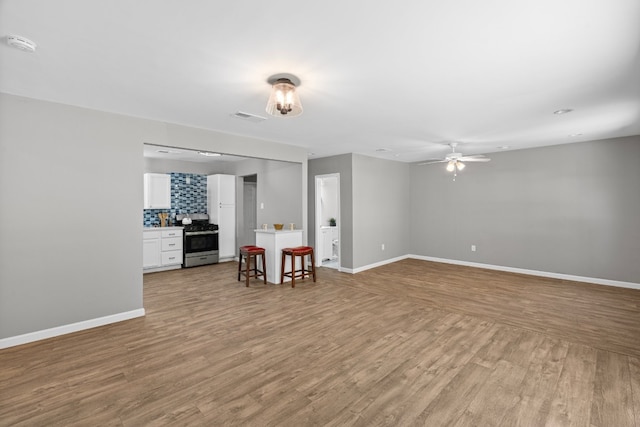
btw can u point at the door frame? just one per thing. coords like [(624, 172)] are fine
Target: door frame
[(318, 217)]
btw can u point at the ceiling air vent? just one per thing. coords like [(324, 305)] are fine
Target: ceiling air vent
[(249, 117)]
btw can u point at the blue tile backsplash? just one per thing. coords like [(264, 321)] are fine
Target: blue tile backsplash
[(185, 198)]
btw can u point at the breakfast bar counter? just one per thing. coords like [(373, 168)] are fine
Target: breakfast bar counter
[(273, 241)]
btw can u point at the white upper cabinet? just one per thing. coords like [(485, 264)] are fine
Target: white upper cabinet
[(222, 189), (157, 191)]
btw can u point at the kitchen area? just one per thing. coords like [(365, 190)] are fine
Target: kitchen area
[(198, 209)]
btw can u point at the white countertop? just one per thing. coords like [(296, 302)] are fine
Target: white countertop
[(162, 228), (274, 231)]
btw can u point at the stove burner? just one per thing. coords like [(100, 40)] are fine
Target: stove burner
[(200, 226), (199, 223)]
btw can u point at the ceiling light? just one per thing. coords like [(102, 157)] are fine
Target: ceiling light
[(563, 111), (460, 165), (451, 166), (209, 154), (21, 43), (284, 100)]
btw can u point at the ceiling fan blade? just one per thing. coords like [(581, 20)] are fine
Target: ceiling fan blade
[(429, 162), (478, 158)]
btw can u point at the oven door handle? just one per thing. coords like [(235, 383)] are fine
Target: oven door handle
[(199, 233)]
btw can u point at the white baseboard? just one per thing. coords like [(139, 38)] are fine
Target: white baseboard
[(165, 268), (594, 280), (67, 329), (374, 265)]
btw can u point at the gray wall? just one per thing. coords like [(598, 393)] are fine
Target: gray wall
[(336, 164), (71, 192), (374, 202), (279, 183), (70, 204), (381, 203), (570, 209)]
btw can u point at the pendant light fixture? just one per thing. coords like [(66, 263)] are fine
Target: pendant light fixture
[(284, 100)]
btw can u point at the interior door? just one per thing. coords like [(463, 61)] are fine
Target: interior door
[(249, 213)]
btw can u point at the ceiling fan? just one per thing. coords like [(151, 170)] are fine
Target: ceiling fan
[(455, 160)]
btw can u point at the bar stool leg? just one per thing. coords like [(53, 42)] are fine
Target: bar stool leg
[(302, 269), (248, 264), (264, 267), (239, 265), (313, 265), (282, 260), (293, 270), (255, 265)]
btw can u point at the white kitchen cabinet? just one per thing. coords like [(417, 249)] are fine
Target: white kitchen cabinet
[(171, 247), (221, 201), (157, 191), (151, 249), (162, 249)]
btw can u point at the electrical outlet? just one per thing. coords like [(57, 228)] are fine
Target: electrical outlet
[(261, 205), (473, 248), (382, 246)]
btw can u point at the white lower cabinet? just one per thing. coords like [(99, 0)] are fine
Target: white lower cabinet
[(171, 258), (161, 249), (151, 249)]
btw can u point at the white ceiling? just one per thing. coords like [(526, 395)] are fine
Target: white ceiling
[(407, 76)]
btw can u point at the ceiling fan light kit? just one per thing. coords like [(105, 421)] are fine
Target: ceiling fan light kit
[(454, 160), (284, 100)]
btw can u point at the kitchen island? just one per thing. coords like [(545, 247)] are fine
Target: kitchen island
[(273, 241)]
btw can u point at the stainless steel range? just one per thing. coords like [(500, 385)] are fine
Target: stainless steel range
[(200, 239)]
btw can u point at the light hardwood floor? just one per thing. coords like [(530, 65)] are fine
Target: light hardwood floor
[(410, 343)]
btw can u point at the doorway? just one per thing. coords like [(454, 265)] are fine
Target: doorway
[(327, 226), (249, 209)]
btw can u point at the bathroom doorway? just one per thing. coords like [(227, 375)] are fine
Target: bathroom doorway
[(327, 226)]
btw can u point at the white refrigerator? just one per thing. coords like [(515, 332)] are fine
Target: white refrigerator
[(221, 204)]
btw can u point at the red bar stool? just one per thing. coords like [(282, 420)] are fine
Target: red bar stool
[(251, 253), (299, 251)]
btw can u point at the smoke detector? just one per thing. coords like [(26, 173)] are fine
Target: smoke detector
[(21, 43)]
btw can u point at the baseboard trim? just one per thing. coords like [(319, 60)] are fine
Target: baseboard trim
[(374, 265), (67, 329), (561, 276)]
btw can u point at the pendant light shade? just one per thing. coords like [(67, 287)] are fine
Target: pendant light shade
[(455, 165), (284, 100), (451, 166)]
